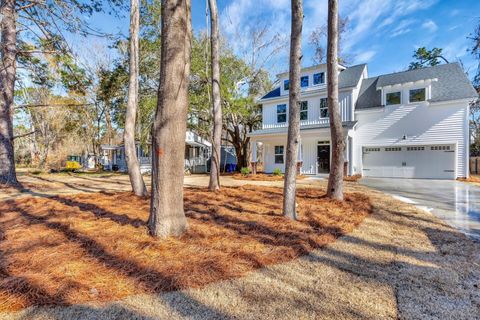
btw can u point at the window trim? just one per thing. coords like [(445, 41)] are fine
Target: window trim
[(322, 78), (326, 107), (392, 92), (304, 103), (420, 88), (275, 154), (281, 113)]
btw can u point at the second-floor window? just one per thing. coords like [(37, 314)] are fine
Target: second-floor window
[(278, 154), (304, 110), (417, 95), (286, 85), (281, 113), (393, 98), (324, 108), (318, 78), (304, 81)]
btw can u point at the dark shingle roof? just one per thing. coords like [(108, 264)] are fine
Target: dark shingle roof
[(347, 78), (350, 76), (272, 94), (369, 96), (451, 84)]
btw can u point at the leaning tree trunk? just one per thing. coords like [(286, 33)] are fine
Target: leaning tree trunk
[(8, 43), (335, 180), (167, 217), (136, 180), (214, 183), (293, 138)]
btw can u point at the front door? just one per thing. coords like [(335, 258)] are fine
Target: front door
[(323, 158)]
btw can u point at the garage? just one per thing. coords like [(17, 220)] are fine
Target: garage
[(411, 161)]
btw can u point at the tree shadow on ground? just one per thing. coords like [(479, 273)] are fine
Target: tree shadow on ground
[(149, 278), (419, 277)]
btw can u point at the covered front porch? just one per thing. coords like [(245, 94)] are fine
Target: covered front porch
[(314, 154)]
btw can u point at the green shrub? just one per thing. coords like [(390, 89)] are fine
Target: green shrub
[(277, 172), (245, 171)]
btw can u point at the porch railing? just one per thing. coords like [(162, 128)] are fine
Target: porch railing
[(322, 121), (145, 160), (197, 161)]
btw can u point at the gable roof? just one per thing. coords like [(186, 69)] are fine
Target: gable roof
[(349, 77), (369, 96), (451, 84), (346, 79)]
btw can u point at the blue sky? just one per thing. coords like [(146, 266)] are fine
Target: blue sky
[(382, 33)]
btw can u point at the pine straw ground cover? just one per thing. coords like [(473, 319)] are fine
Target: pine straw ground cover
[(262, 177), (95, 247)]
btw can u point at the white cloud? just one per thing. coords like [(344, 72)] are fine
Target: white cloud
[(403, 27), (367, 19), (365, 56), (456, 49), (371, 17), (430, 25)]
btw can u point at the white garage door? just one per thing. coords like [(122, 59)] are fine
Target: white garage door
[(428, 161)]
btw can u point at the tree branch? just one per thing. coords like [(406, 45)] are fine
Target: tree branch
[(23, 135), (24, 106)]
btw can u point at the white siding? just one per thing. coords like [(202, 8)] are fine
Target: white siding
[(308, 73), (269, 110), (419, 123), (309, 151), (309, 148), (269, 154)]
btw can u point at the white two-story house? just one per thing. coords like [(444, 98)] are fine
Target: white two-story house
[(411, 124)]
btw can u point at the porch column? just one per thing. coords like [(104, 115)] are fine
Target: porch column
[(300, 158), (254, 157), (346, 154)]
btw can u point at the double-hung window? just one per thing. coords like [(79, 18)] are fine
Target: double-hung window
[(324, 108), (281, 113), (417, 95), (286, 85), (318, 78), (304, 110), (279, 154), (304, 81)]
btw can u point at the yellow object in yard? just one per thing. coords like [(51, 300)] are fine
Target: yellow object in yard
[(73, 165)]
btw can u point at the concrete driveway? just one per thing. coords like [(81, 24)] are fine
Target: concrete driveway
[(457, 203)]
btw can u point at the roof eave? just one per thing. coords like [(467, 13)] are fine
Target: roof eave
[(302, 94)]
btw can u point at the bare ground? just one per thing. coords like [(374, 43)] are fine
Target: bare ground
[(400, 263)]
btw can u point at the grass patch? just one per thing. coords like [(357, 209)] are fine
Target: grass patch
[(84, 248)]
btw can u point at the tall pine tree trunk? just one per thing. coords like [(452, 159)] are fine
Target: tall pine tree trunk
[(293, 138), (8, 53), (214, 183), (335, 179), (167, 217), (136, 180)]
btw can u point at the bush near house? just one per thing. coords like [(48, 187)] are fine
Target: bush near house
[(245, 171), (71, 166), (277, 172)]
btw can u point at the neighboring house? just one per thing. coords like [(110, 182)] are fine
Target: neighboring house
[(197, 155), (411, 124)]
